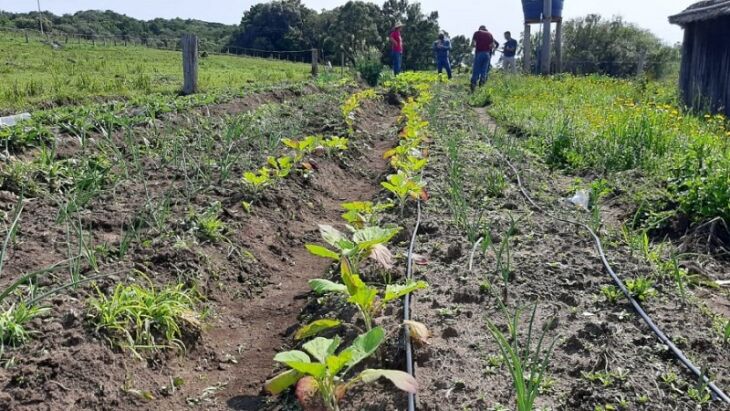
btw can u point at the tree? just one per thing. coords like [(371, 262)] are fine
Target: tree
[(353, 29), (612, 47), (278, 25), (461, 50)]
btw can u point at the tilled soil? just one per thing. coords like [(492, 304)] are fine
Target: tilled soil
[(253, 283), (604, 355)]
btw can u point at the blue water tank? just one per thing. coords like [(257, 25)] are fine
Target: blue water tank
[(533, 9)]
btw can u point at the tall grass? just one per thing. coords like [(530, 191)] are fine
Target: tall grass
[(605, 125)]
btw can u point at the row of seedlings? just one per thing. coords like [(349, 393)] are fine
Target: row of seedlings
[(322, 366)]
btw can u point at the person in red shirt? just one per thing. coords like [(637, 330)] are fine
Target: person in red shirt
[(396, 46), (483, 43)]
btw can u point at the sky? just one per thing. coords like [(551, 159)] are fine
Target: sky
[(455, 16)]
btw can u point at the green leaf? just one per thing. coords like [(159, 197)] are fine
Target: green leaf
[(314, 369), (316, 327), (400, 379), (291, 356), (321, 348), (321, 286), (320, 251), (394, 291), (352, 281), (280, 382), (365, 345), (364, 297), (370, 236), (335, 363)]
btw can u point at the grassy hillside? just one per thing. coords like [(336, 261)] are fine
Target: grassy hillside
[(36, 75)]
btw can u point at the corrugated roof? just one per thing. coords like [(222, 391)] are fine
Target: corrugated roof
[(702, 11)]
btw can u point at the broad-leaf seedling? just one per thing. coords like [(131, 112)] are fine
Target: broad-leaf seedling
[(320, 369), (364, 296)]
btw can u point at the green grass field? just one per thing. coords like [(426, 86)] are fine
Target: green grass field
[(602, 125), (35, 75)]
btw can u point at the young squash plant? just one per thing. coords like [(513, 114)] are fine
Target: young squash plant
[(258, 181), (361, 214), (320, 369), (281, 167), (369, 300), (365, 242), (403, 187)]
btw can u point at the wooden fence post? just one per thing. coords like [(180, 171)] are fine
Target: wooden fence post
[(189, 45), (26, 36), (315, 62), (93, 40)]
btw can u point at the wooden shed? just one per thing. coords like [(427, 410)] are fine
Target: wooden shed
[(704, 79)]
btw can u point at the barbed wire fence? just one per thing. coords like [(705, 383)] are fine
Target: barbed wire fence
[(60, 39)]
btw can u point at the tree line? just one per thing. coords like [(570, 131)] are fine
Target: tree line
[(155, 33), (358, 29)]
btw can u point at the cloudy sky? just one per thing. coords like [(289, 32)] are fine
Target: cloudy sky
[(455, 16)]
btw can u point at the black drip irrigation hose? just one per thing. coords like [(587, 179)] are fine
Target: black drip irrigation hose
[(716, 391), (407, 309)]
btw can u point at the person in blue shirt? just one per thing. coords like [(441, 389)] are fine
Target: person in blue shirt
[(508, 55), (441, 48)]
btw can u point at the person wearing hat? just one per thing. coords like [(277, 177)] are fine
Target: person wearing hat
[(396, 46), (441, 47), (483, 43)]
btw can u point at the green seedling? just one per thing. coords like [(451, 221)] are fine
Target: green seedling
[(369, 300), (13, 321), (302, 147), (611, 293), (641, 288), (208, 224), (726, 332), (145, 317), (605, 378), (365, 242), (280, 167), (335, 143), (410, 164), (700, 395), (319, 369), (527, 364), (504, 258), (403, 187), (361, 214), (258, 181)]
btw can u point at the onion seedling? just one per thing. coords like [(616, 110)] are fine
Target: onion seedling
[(526, 364)]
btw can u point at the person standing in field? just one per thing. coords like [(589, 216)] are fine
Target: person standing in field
[(442, 47), (396, 46), (483, 43), (508, 55)]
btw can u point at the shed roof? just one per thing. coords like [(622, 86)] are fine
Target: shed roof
[(702, 11)]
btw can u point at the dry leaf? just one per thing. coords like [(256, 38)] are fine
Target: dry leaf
[(419, 332), (382, 255)]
